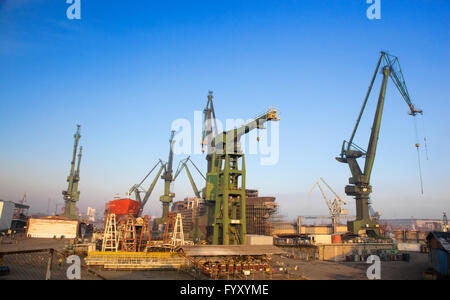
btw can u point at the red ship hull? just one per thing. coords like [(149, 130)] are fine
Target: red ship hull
[(122, 208)]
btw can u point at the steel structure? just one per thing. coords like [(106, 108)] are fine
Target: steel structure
[(225, 179), (359, 184), (183, 164), (335, 206), (72, 195)]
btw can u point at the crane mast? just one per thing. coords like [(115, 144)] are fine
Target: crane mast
[(359, 184), (72, 195), (167, 176)]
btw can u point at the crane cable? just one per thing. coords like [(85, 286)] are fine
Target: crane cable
[(418, 154), (424, 137)]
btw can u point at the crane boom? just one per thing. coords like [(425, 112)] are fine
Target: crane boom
[(317, 183), (331, 189), (137, 188), (183, 165), (229, 141)]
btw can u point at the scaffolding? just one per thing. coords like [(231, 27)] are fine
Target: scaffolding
[(169, 225), (178, 235), (129, 235), (145, 237), (110, 237), (191, 209), (137, 260), (260, 212)]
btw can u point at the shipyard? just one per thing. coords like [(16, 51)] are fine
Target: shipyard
[(167, 161)]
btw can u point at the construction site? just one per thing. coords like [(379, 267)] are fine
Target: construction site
[(225, 231), (324, 209)]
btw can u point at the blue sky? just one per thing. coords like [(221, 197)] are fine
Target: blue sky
[(127, 70)]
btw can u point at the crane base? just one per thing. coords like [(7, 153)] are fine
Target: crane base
[(368, 226)]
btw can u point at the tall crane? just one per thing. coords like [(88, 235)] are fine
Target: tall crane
[(335, 207), (225, 180), (72, 195), (359, 184)]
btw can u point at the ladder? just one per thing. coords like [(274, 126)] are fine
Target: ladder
[(178, 234)]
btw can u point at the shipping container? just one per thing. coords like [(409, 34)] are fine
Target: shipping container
[(6, 215), (52, 227)]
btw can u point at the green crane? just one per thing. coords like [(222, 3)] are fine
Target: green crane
[(225, 180), (72, 195), (359, 184), (137, 188)]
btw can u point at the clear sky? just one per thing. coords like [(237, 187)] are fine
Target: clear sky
[(128, 69)]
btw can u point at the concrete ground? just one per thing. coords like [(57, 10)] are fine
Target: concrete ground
[(145, 275), (22, 244), (390, 270), (298, 269), (400, 270)]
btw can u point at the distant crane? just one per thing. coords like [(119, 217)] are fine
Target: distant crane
[(24, 198), (335, 206), (359, 184), (72, 195), (444, 222)]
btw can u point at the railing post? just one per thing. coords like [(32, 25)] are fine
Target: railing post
[(48, 275)]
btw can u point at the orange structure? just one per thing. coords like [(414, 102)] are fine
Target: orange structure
[(168, 224), (145, 238)]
